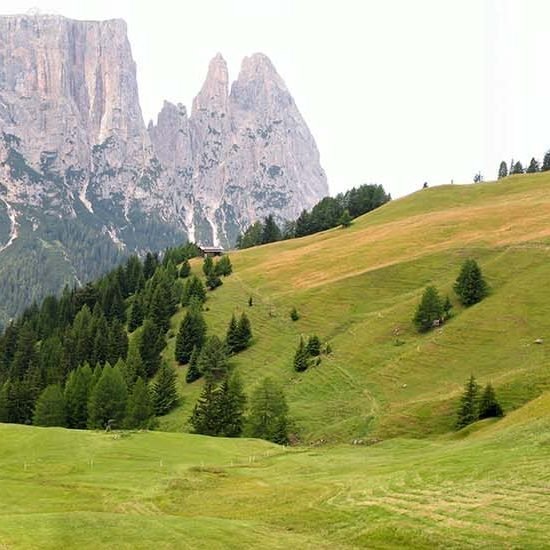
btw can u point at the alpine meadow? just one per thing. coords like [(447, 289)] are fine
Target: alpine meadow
[(223, 328), (376, 458)]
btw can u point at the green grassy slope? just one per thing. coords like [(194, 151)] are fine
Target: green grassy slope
[(76, 489), (357, 288)]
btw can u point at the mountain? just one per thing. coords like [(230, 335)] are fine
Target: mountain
[(84, 182)]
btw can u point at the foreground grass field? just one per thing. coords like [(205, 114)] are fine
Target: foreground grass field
[(357, 289), (489, 488)]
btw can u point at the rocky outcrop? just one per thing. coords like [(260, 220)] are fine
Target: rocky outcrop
[(73, 146)]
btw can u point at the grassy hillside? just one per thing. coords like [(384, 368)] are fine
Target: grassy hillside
[(357, 288), (74, 489)]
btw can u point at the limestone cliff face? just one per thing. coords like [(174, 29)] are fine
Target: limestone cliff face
[(78, 165)]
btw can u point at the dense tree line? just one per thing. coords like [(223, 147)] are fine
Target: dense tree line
[(516, 167), (91, 351), (329, 212)]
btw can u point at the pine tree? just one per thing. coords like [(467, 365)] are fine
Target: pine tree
[(301, 358), (118, 342), (185, 269), (206, 413), (139, 409), (212, 361), (244, 332), (107, 404), (546, 162), (213, 281), (429, 310), (271, 232), (50, 408), (161, 307), (232, 339), (468, 410), (165, 392), (232, 407), (533, 166), (269, 413), (77, 394), (345, 219), (470, 286), (489, 407), (137, 313), (208, 266), (224, 267), (502, 170), (517, 168), (151, 344), (194, 291), (314, 346), (191, 334), (150, 265), (193, 372)]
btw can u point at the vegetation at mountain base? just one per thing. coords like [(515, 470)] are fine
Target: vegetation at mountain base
[(326, 214)]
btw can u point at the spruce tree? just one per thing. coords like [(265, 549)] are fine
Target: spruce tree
[(165, 392), (139, 409), (118, 342), (193, 373), (271, 232), (206, 413), (244, 332), (208, 266), (468, 409), (185, 269), (161, 307), (25, 353), (533, 166), (212, 361), (294, 315), (301, 357), (77, 394), (232, 407), (213, 281), (314, 346), (429, 310), (107, 404), (269, 413), (151, 344), (232, 340), (502, 170), (100, 350), (489, 407), (194, 290), (51, 360), (50, 408), (345, 219), (224, 267), (191, 334), (137, 313), (546, 162), (470, 286), (517, 168), (4, 401), (134, 364)]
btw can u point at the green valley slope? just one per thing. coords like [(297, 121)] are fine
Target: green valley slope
[(357, 288)]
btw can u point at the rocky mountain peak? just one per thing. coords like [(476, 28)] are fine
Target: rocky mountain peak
[(214, 92)]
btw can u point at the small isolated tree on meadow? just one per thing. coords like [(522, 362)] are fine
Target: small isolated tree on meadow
[(50, 408), (468, 409), (502, 170), (213, 281), (232, 336), (294, 315), (301, 357), (470, 286), (478, 178), (208, 266), (250, 301), (429, 310), (533, 166), (345, 219), (194, 290), (139, 409), (165, 391), (244, 332), (489, 407), (185, 269), (314, 346), (517, 168), (224, 267)]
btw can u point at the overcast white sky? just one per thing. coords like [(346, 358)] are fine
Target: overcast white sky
[(396, 92)]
